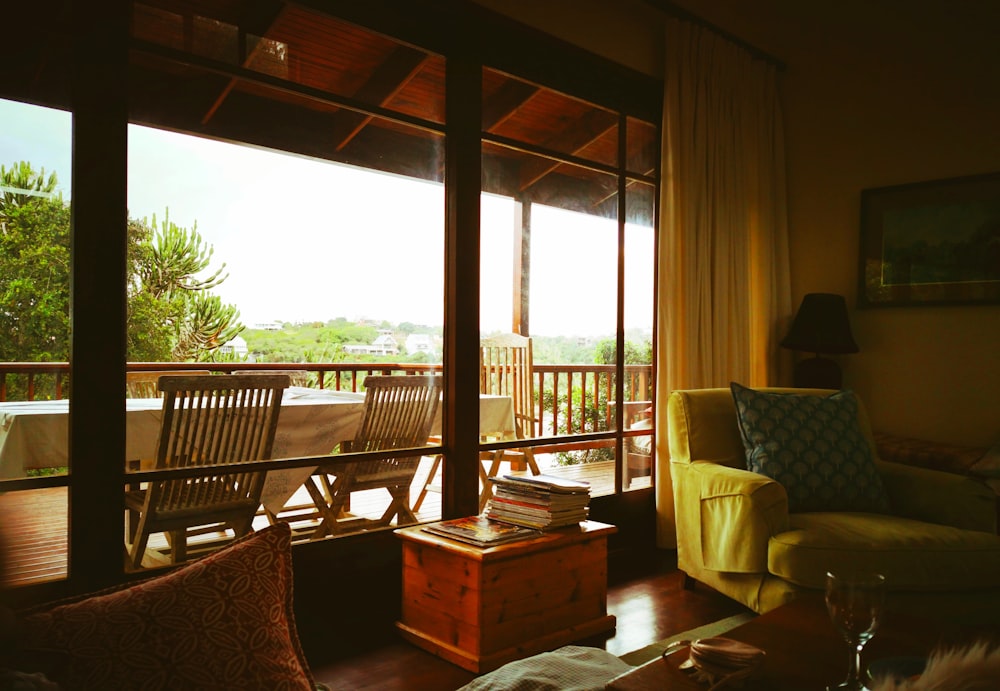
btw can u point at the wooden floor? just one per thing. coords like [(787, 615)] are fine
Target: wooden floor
[(34, 522), (648, 599), (646, 595)]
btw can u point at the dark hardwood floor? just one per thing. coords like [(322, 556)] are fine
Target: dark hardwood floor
[(648, 598)]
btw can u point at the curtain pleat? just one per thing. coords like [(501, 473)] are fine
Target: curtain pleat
[(724, 287)]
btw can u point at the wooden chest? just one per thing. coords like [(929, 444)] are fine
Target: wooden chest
[(480, 608)]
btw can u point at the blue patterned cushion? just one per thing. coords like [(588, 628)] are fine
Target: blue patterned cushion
[(813, 446)]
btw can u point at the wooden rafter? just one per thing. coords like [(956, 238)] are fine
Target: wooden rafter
[(505, 102), (399, 68), (260, 19), (572, 140)]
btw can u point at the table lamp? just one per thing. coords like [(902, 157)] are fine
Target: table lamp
[(820, 326)]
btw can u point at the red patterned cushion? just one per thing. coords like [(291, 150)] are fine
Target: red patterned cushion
[(223, 622)]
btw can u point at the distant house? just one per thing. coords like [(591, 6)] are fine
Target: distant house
[(268, 326), (419, 343), (236, 347), (384, 344)]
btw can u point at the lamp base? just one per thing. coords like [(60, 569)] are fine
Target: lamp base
[(817, 373)]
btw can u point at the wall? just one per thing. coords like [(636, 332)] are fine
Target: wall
[(875, 94)]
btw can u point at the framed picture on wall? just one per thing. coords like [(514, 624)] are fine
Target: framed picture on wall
[(931, 243)]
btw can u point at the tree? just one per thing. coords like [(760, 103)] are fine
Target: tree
[(167, 270), (21, 185), (34, 281), (172, 314)]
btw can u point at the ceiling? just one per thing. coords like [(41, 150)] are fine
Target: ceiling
[(285, 76)]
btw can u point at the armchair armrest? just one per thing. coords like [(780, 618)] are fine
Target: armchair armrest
[(740, 511), (939, 497)]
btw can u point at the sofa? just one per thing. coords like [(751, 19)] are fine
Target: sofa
[(973, 461), (223, 622), (764, 542)]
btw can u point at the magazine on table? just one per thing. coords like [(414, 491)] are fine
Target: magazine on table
[(481, 531)]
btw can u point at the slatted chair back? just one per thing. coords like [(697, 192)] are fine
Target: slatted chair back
[(399, 412), (506, 370), (140, 384), (208, 420), (297, 377)]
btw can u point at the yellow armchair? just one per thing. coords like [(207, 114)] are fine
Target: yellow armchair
[(938, 547)]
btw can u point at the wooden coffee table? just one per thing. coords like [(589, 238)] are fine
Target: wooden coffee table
[(805, 653)]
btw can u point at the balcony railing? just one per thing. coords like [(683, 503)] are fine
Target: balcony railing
[(569, 398)]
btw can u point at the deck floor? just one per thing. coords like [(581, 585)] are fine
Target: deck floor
[(35, 522)]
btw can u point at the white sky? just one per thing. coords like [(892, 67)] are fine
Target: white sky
[(309, 240)]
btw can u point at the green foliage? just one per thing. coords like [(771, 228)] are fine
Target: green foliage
[(22, 185), (635, 353), (171, 314), (34, 281)]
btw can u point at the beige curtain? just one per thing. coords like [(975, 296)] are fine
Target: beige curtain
[(724, 295)]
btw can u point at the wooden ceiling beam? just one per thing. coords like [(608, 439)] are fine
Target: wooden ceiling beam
[(589, 129), (264, 21), (505, 101), (399, 68)]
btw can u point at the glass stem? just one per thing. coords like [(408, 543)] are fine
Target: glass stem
[(854, 665)]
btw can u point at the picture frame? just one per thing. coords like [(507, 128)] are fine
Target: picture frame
[(931, 243)]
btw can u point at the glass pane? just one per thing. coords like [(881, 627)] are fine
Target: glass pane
[(554, 250), (33, 536), (318, 228), (324, 271), (526, 113), (643, 147), (640, 295), (307, 48), (34, 330), (499, 263)]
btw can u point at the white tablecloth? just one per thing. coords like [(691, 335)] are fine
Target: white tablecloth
[(34, 434)]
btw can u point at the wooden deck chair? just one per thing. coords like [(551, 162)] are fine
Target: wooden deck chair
[(505, 369), (206, 420), (398, 414), (297, 377), (139, 384)]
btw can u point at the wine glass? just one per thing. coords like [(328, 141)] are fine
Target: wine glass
[(855, 603)]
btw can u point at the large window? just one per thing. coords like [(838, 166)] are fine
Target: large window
[(35, 179), (291, 187), (579, 270)]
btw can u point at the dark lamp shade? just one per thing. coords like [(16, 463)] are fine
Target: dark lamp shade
[(821, 326)]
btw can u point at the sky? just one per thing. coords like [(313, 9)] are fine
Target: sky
[(309, 240)]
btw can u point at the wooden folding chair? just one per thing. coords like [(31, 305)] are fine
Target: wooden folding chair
[(505, 369), (144, 384), (398, 414), (206, 420)]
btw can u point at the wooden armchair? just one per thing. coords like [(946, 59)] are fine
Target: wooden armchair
[(207, 420), (398, 414)]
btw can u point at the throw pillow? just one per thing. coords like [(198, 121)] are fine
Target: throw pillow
[(223, 622), (813, 446)]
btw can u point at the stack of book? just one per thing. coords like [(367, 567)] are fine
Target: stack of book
[(538, 501)]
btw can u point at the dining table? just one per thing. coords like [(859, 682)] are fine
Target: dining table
[(312, 422)]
